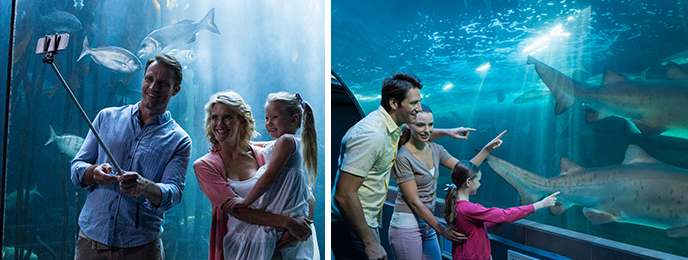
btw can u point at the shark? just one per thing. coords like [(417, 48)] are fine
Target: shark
[(640, 190), (650, 107)]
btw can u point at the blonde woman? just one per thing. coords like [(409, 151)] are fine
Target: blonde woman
[(229, 170)]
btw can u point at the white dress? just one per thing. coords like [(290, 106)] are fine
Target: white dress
[(288, 195)]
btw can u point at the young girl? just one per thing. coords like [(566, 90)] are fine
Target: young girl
[(473, 219), (282, 183)]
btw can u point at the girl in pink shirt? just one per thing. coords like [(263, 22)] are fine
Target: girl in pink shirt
[(473, 219)]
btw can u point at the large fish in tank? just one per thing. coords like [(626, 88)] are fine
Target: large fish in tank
[(641, 190), (61, 21), (650, 107), (112, 57), (68, 144), (176, 36)]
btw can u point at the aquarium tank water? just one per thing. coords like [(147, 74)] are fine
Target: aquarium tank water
[(252, 48), (594, 91)]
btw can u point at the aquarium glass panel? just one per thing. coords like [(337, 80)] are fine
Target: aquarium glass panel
[(252, 48), (593, 91)]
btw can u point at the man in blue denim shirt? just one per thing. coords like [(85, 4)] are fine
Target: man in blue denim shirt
[(123, 214)]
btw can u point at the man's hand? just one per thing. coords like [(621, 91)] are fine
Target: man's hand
[(300, 228), (460, 132), (103, 174), (131, 184), (375, 251)]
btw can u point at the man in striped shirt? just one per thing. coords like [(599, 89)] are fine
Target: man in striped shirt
[(123, 215)]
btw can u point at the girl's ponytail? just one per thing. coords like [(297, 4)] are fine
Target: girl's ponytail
[(310, 144), (450, 206)]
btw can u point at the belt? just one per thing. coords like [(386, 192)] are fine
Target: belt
[(95, 245)]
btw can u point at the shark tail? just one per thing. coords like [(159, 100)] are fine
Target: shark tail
[(525, 182), (52, 136), (562, 87), (209, 21), (86, 49)]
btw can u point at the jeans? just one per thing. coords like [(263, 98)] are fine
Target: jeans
[(415, 243), (346, 244)]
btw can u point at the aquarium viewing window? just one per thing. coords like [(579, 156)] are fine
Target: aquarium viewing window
[(589, 92)]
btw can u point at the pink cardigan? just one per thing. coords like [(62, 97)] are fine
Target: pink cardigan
[(473, 220), (210, 172)]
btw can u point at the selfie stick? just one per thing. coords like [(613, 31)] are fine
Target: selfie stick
[(50, 45)]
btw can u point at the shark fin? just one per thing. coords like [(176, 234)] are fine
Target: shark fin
[(52, 136), (569, 167), (674, 71), (596, 216), (678, 231), (610, 77), (643, 75), (559, 208), (635, 154), (647, 130), (592, 115), (631, 128)]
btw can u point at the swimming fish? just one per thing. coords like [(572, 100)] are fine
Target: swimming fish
[(78, 4), (112, 57), (61, 22), (680, 58), (176, 36), (641, 190), (11, 199), (183, 56), (650, 107), (533, 95), (68, 144), (500, 94)]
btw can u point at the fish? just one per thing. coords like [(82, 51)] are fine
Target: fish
[(183, 56), (533, 95), (11, 199), (10, 253), (68, 144), (650, 107), (112, 57), (679, 58), (61, 22), (640, 190), (500, 94), (176, 36), (78, 4)]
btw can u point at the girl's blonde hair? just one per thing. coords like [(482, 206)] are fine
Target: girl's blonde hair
[(294, 105), (247, 127), (463, 171)]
